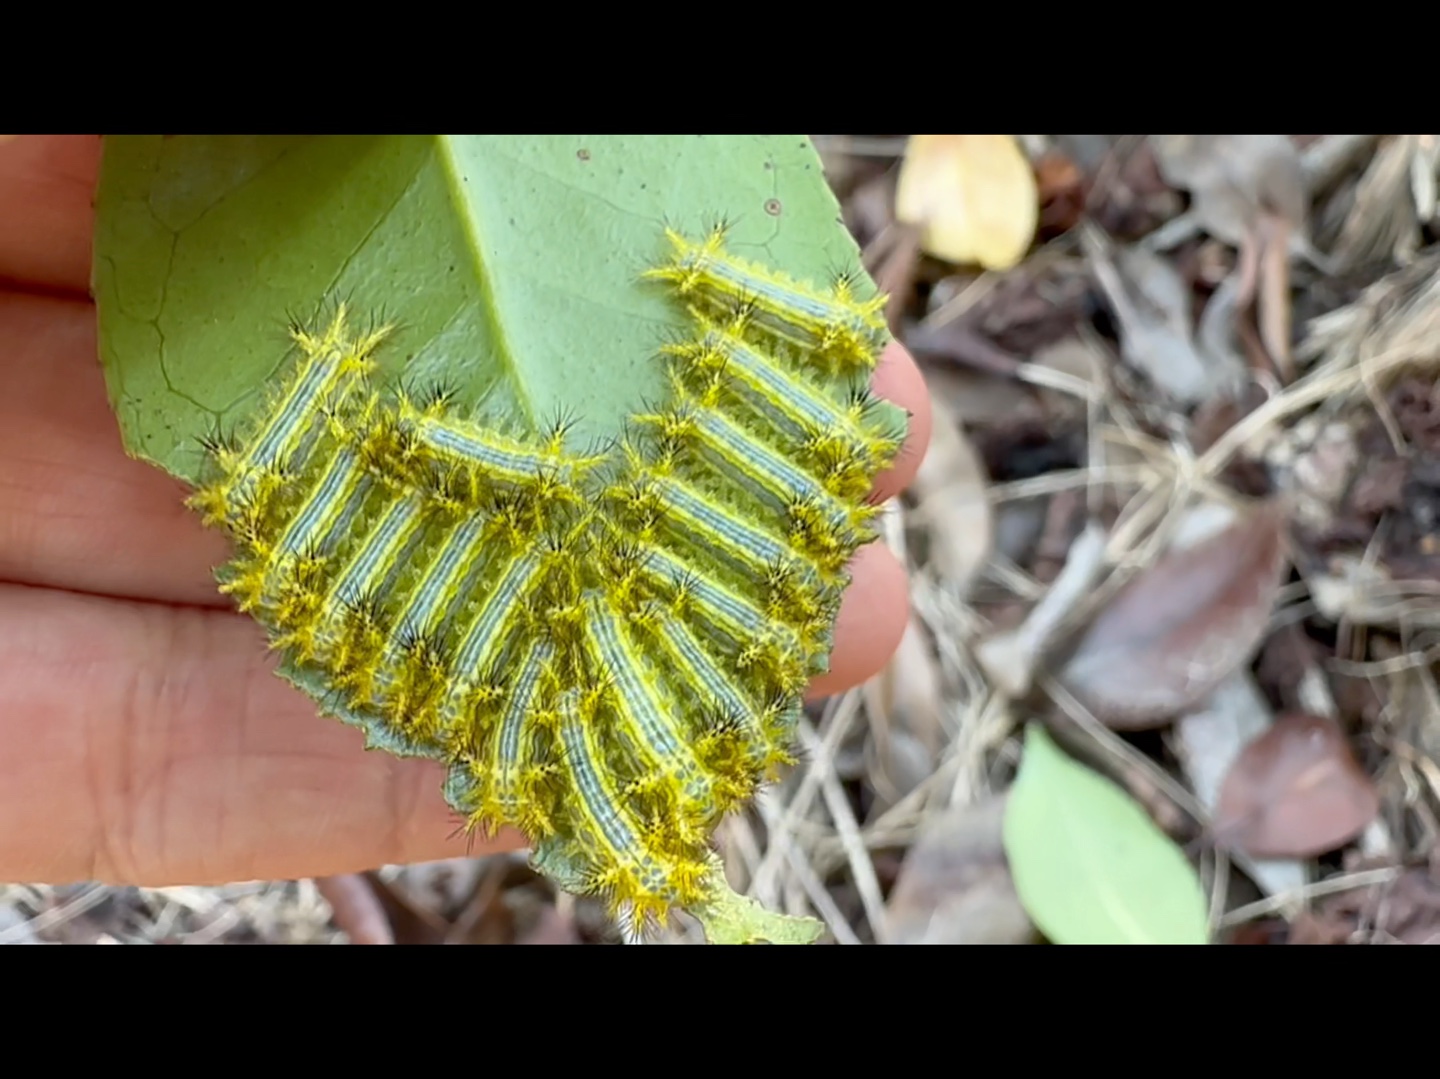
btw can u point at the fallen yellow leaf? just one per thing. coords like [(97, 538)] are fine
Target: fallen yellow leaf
[(973, 195)]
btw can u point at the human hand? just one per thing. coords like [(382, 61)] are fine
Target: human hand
[(144, 738)]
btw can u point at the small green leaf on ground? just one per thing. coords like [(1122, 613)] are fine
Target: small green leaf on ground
[(1090, 865)]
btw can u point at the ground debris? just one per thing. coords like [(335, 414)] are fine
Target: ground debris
[(955, 886), (1294, 791), (1177, 629), (1405, 910), (1154, 307), (1209, 740), (1236, 180)]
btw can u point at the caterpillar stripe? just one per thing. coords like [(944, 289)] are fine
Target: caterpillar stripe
[(486, 634), (436, 593), (623, 861), (836, 327), (658, 736), (328, 509), (734, 617), (699, 517), (751, 756), (504, 781), (332, 367), (778, 651), (786, 485), (498, 459), (776, 394), (379, 557)]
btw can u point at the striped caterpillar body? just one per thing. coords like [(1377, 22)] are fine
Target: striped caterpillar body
[(609, 650), (834, 327)]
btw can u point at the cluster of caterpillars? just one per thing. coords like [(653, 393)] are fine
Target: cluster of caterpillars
[(610, 649)]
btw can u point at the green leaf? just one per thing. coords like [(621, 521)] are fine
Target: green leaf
[(728, 918), (510, 263), (410, 563), (1089, 864), (725, 916)]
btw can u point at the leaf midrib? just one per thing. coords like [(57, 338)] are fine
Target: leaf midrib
[(467, 211)]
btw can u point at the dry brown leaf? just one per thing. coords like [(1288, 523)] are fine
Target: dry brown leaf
[(976, 398), (1235, 179), (974, 196), (1329, 158), (1178, 629), (1250, 191), (1295, 792), (1061, 186), (1152, 304), (1209, 739), (1405, 910), (1087, 151), (439, 889), (410, 922), (1217, 333), (955, 885)]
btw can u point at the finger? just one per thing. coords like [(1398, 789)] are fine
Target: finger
[(46, 212), (153, 745), (75, 511), (872, 620), (876, 606), (898, 380)]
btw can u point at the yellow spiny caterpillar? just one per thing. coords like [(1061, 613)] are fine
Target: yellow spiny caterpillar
[(609, 650), (834, 327)]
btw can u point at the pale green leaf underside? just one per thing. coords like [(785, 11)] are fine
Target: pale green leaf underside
[(510, 263), (726, 918), (1089, 864), (733, 919)]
